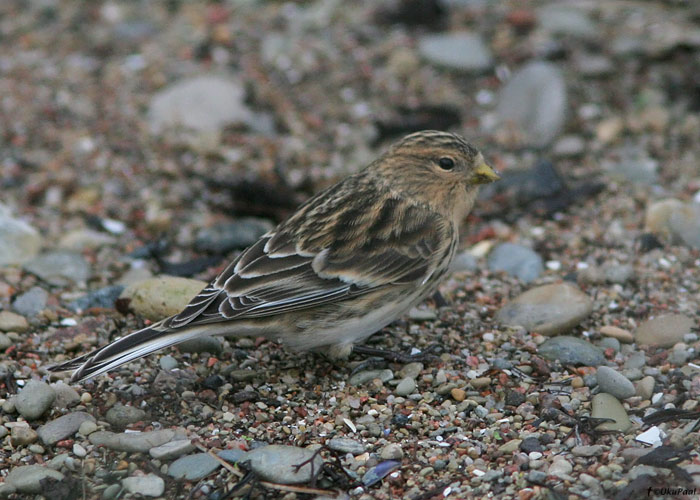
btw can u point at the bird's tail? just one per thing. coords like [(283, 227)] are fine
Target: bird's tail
[(125, 349)]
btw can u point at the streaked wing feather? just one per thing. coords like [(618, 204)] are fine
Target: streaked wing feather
[(290, 269)]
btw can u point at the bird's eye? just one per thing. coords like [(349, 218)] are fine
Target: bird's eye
[(446, 163)]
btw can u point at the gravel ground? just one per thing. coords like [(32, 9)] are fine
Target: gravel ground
[(143, 145)]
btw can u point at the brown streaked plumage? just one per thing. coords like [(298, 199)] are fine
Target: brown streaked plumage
[(351, 259)]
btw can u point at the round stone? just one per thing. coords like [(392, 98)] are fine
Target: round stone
[(548, 309), (664, 330)]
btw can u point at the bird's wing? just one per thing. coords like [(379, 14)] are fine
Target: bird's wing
[(324, 259)]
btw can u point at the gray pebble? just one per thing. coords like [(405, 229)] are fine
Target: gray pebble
[(363, 377), (66, 396), (411, 370), (608, 406), (31, 302), (516, 260), (19, 241), (27, 478), (209, 344), (63, 427), (534, 101), (103, 297), (463, 51), (345, 445), (13, 322), (59, 268), (610, 343), (134, 442), (172, 449), (571, 351), (665, 330), (277, 463), (406, 386), (121, 415), (168, 363), (391, 451), (22, 436), (193, 467), (5, 342), (34, 399), (111, 492), (548, 309), (233, 455), (149, 485), (613, 382)]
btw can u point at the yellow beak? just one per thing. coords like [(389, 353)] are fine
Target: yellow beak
[(483, 174)]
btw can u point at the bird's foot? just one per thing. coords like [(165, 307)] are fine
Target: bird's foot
[(381, 356)]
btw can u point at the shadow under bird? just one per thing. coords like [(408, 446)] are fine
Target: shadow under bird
[(348, 262)]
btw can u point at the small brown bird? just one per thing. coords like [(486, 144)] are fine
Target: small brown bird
[(349, 262)]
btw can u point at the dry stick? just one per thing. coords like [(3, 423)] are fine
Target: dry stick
[(275, 486)]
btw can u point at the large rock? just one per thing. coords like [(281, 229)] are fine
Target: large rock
[(548, 310)]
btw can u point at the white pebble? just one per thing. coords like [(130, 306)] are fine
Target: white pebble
[(79, 451)]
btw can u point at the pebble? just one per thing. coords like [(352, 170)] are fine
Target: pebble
[(345, 445), (168, 362), (571, 351), (462, 50), (684, 224), (566, 20), (193, 467), (121, 415), (19, 242), (533, 103), (480, 382), (79, 451), (66, 396), (204, 104), (569, 146), (421, 314), (405, 387), (5, 342), (391, 451), (12, 322), (548, 309), (173, 449), (607, 406), (225, 237), (78, 240), (613, 382), (664, 331), (464, 261), (162, 296), (34, 399), (516, 260), (560, 468), (366, 376), (149, 485), (458, 394), (28, 478), (31, 302), (510, 447), (63, 427), (59, 268), (645, 387), (658, 215), (233, 455), (87, 428), (112, 491), (411, 370), (633, 166), (609, 343), (102, 298), (134, 442), (277, 463), (594, 450), (22, 435), (620, 334), (212, 345)]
